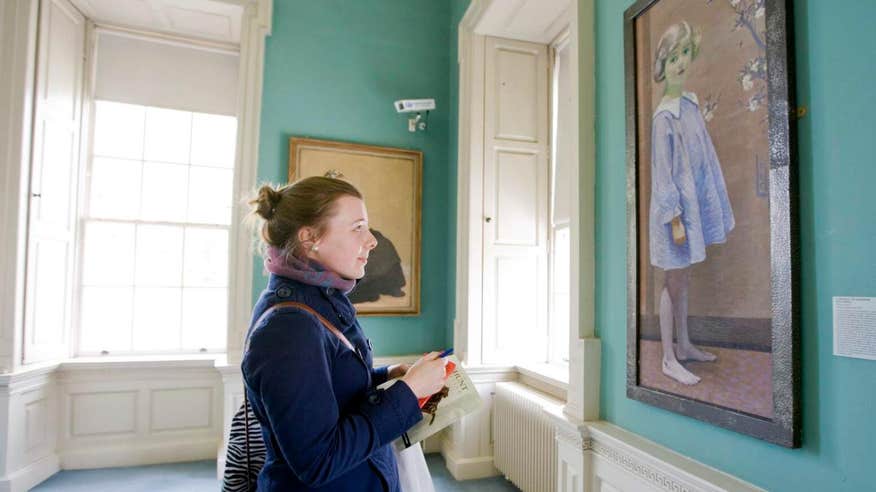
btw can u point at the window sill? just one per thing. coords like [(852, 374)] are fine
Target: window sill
[(144, 361), (549, 378)]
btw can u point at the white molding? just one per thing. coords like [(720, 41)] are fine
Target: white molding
[(18, 57), (166, 38), (140, 453), (467, 468), (608, 454), (31, 475), (469, 233), (585, 359), (583, 229), (255, 27)]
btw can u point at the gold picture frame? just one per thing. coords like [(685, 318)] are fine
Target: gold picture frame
[(391, 181)]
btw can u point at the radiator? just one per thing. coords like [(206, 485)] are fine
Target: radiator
[(524, 439)]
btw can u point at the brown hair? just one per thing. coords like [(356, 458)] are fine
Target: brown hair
[(308, 202)]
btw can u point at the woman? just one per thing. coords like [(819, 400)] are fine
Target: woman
[(690, 208), (325, 425)]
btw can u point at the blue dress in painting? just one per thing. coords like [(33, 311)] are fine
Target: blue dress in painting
[(686, 180)]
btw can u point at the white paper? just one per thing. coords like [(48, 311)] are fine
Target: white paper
[(854, 327)]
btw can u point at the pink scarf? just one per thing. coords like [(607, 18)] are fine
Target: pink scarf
[(305, 271)]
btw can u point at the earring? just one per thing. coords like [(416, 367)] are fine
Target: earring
[(314, 248)]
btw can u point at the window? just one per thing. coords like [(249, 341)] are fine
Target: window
[(155, 227), (561, 182)]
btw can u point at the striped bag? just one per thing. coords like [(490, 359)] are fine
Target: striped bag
[(245, 453)]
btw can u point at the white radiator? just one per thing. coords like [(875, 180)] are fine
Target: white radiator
[(524, 438)]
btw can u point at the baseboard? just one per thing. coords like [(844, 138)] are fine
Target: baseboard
[(468, 468), (140, 454), (31, 475)]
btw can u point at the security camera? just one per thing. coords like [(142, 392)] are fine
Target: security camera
[(414, 105)]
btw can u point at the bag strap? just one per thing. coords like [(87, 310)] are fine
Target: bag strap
[(336, 332), (264, 315)]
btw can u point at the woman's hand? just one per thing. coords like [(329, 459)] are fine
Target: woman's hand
[(398, 370), (678, 233), (426, 376)]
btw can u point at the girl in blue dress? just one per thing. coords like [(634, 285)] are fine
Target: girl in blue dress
[(689, 207)]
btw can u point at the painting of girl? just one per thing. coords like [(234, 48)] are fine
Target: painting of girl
[(690, 208)]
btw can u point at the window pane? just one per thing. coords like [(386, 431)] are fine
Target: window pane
[(168, 135), (118, 130), (559, 336), (206, 257), (108, 256), (213, 140), (115, 188), (157, 318), (210, 195), (164, 192), (159, 256), (106, 319), (204, 318)]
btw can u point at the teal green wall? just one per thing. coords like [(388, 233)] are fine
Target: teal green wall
[(332, 70), (835, 48)]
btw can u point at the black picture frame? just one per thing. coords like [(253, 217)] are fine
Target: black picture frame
[(783, 428)]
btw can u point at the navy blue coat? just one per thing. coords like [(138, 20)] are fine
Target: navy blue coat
[(326, 427)]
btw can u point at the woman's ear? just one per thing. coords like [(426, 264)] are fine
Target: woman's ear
[(306, 237)]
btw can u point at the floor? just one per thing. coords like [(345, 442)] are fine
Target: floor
[(738, 379), (201, 476)]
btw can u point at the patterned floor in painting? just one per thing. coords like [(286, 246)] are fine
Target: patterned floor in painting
[(739, 379), (200, 476)]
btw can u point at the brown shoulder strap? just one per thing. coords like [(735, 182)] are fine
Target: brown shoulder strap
[(310, 310)]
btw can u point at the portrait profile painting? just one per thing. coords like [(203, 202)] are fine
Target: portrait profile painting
[(699, 151), (389, 180)]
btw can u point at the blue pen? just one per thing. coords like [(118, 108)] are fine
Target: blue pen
[(446, 353)]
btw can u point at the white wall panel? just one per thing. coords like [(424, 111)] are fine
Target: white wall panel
[(181, 409), (518, 87), (517, 196), (36, 424), (105, 412)]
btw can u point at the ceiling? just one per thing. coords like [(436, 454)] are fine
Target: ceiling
[(538, 21), (211, 20)]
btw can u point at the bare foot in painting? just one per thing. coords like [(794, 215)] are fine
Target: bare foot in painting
[(677, 372), (690, 352)]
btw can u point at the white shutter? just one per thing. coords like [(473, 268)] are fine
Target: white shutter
[(54, 181), (516, 150), (155, 72)]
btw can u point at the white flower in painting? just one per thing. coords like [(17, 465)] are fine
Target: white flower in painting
[(753, 104), (758, 13), (734, 2), (708, 114), (747, 84)]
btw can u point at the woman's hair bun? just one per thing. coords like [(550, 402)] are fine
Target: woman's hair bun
[(266, 202)]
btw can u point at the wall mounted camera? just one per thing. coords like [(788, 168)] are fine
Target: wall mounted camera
[(419, 107)]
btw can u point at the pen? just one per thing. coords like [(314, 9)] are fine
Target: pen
[(446, 353)]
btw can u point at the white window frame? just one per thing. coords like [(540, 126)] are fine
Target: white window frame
[(83, 218), (582, 383), (256, 26), (562, 41), (87, 157)]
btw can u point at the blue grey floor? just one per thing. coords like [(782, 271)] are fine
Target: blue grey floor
[(201, 476)]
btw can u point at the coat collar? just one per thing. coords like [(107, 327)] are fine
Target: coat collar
[(673, 104)]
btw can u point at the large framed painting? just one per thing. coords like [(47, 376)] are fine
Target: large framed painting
[(711, 287), (390, 180)]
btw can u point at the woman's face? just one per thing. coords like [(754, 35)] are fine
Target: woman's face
[(678, 63), (346, 240)]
